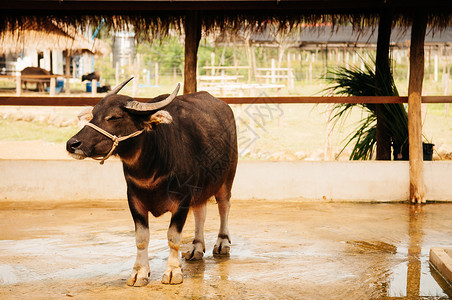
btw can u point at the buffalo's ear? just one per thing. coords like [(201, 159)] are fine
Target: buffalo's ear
[(86, 114), (160, 117)]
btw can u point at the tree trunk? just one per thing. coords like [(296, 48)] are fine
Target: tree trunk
[(414, 108), (382, 74), (192, 38)]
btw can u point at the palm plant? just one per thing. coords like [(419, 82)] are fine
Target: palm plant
[(357, 82)]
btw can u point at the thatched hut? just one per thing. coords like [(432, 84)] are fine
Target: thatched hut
[(150, 19), (51, 48)]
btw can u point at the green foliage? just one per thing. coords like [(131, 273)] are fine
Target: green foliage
[(356, 82), (169, 53), (105, 67)]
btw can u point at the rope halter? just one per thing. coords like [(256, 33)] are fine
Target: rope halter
[(114, 138)]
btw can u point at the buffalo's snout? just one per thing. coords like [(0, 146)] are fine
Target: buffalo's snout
[(72, 145)]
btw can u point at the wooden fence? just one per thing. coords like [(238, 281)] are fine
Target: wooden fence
[(51, 78), (90, 100)]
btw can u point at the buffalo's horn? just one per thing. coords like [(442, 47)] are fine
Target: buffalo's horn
[(119, 87), (138, 107)]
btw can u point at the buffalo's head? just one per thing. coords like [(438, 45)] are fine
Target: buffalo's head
[(114, 119)]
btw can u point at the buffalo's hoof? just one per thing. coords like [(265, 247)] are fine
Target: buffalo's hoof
[(222, 247), (139, 277), (196, 252), (173, 276)]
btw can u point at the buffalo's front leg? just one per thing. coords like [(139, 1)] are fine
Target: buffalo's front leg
[(173, 273), (141, 271)]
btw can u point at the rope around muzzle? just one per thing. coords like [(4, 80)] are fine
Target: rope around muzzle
[(114, 138)]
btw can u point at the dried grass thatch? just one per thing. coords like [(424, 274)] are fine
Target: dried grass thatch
[(152, 23), (48, 36)]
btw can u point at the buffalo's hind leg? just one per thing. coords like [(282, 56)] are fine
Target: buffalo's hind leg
[(141, 271), (197, 248), (223, 244)]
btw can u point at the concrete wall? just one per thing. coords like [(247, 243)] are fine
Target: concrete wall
[(305, 181)]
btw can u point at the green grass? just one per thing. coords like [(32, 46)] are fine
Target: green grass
[(26, 131), (437, 125), (302, 127)]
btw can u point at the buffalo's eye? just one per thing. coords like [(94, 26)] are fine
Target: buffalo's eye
[(113, 118)]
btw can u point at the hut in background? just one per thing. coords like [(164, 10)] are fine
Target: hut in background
[(56, 48)]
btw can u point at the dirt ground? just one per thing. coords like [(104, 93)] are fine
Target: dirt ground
[(280, 250)]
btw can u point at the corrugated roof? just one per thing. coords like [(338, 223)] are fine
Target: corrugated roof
[(346, 35)]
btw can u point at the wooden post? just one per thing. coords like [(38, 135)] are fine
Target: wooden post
[(250, 64), (446, 91), (94, 87), (273, 76), (18, 85), (328, 155), (347, 58), (67, 72), (414, 108), (325, 62), (52, 86), (382, 78), (310, 72), (74, 69), (192, 38), (436, 68), (234, 56), (212, 62)]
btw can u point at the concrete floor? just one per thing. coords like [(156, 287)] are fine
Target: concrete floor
[(281, 250)]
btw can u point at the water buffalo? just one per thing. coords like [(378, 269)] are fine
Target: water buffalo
[(91, 76), (177, 152), (41, 83)]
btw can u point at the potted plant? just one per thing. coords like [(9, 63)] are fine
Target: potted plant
[(357, 82)]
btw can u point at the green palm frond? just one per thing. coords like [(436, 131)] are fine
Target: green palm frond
[(357, 82)]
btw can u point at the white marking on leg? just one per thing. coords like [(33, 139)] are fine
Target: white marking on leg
[(197, 249), (173, 272), (141, 271), (223, 208), (223, 244)]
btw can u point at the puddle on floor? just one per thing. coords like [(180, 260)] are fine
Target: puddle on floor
[(413, 279), (289, 253)]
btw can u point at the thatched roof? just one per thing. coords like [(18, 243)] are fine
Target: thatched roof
[(155, 18), (49, 36)]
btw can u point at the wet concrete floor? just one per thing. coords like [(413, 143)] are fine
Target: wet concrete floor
[(280, 250)]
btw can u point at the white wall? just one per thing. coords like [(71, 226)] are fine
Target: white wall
[(45, 62), (29, 59), (57, 62), (304, 181)]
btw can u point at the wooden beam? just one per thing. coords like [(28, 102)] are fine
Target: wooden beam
[(87, 100), (192, 38), (49, 101), (301, 99), (414, 108), (382, 77)]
